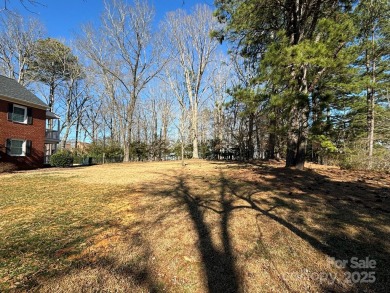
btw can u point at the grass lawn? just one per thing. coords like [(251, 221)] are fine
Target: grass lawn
[(205, 227)]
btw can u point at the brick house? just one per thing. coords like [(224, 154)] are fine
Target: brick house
[(29, 133)]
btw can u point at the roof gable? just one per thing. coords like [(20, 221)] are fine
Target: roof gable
[(10, 88)]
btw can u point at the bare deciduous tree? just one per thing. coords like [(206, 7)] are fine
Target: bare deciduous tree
[(160, 108), (24, 3), (17, 42), (74, 96), (122, 48), (178, 89), (187, 36), (221, 81)]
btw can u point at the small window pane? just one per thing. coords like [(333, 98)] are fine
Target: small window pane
[(17, 147), (19, 114)]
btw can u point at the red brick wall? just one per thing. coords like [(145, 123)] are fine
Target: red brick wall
[(12, 130)]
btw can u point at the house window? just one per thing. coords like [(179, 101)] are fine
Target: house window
[(18, 147), (20, 114)]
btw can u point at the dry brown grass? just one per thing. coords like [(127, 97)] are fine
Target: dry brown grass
[(207, 227)]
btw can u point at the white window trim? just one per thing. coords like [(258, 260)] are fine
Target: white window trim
[(23, 148), (25, 114)]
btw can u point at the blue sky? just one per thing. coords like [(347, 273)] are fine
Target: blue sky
[(63, 17)]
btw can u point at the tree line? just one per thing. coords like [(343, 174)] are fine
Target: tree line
[(293, 80)]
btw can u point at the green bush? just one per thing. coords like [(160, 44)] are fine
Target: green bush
[(356, 159), (62, 159)]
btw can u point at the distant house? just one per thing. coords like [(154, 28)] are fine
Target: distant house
[(29, 133), (81, 146)]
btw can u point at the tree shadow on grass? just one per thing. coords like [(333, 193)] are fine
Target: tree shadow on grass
[(83, 254), (218, 265), (116, 266), (338, 207), (341, 207)]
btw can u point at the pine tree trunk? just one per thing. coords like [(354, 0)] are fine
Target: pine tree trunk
[(272, 139), (370, 125), (250, 146), (292, 137), (297, 135), (297, 140), (302, 139), (371, 105)]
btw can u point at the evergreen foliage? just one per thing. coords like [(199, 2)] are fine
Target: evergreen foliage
[(63, 158), (314, 62)]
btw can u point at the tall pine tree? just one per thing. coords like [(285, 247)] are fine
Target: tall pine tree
[(297, 44)]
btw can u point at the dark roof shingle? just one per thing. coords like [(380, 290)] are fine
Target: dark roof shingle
[(12, 89)]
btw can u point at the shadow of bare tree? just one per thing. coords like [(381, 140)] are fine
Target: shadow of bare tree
[(349, 221), (219, 265)]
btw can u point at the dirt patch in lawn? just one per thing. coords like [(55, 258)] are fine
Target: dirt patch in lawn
[(205, 227)]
